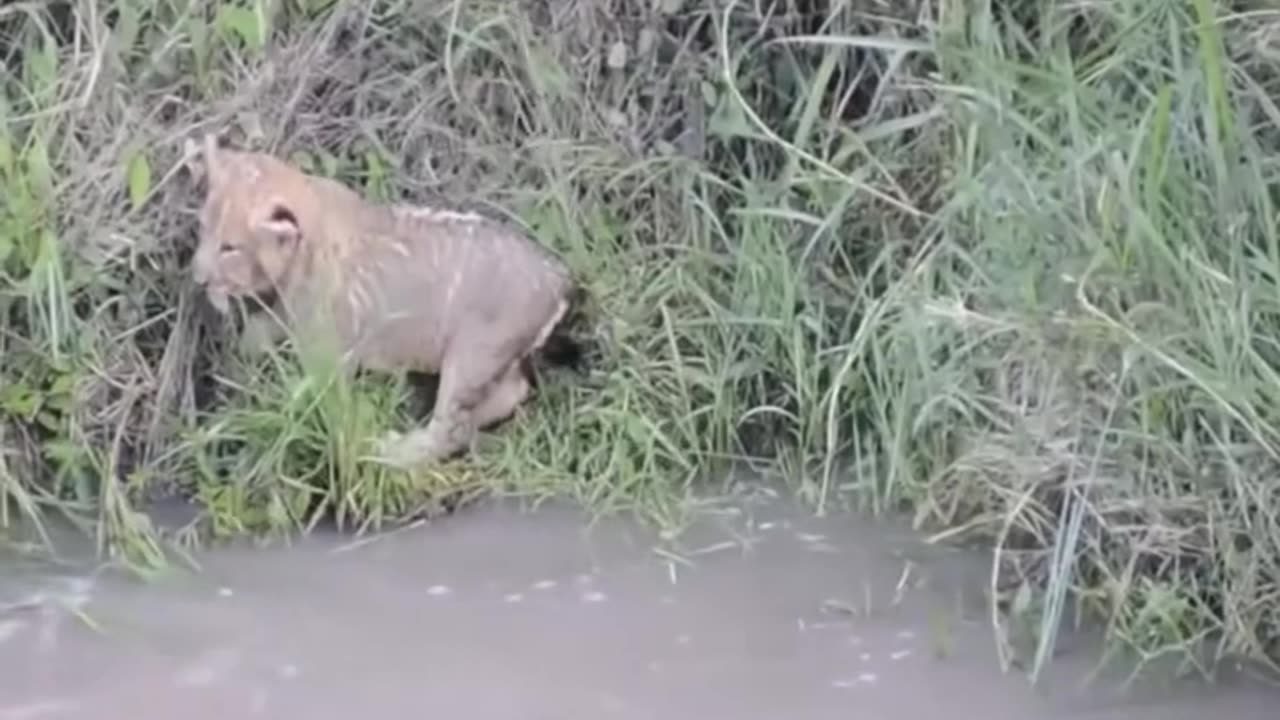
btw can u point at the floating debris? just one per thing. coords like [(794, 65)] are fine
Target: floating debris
[(834, 606), (863, 679)]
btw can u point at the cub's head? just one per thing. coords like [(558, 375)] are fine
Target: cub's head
[(249, 225)]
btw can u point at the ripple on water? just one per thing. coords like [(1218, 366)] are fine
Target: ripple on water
[(9, 628), (744, 614), (208, 669), (861, 679), (37, 709)]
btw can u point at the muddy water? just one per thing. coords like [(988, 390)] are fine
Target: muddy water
[(762, 612)]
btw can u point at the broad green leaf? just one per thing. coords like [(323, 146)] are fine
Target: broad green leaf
[(128, 22), (42, 68), (244, 22), (329, 164), (376, 173), (198, 33), (304, 161), (318, 8), (39, 172), (139, 179), (709, 94), (19, 399)]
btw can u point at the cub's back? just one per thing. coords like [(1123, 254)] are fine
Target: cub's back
[(477, 256)]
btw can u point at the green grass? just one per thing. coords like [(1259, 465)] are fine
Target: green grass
[(1009, 267)]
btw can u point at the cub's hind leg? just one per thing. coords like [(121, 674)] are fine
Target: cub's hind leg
[(471, 371), (502, 397)]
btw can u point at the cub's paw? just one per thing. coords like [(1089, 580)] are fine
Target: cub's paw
[(405, 451)]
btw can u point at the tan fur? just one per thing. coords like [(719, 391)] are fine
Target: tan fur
[(399, 288)]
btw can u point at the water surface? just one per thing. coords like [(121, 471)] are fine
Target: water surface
[(764, 612)]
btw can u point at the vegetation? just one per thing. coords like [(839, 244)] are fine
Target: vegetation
[(1008, 266)]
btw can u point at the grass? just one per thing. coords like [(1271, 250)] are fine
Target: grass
[(1009, 267)]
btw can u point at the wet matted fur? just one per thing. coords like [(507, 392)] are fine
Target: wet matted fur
[(396, 287)]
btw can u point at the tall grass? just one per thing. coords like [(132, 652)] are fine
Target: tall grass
[(1006, 266)]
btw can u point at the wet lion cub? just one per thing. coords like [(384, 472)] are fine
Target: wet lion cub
[(398, 287)]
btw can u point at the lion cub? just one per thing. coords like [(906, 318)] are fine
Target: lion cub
[(399, 288)]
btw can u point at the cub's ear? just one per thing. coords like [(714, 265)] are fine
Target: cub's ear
[(213, 166), (282, 224), (192, 161)]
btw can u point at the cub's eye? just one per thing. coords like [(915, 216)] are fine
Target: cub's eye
[(281, 214), (228, 248)]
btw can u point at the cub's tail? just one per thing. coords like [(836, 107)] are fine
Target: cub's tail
[(563, 350), (566, 346)]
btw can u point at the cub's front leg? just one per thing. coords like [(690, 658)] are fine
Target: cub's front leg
[(261, 332)]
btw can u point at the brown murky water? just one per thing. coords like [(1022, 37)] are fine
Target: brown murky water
[(496, 613)]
